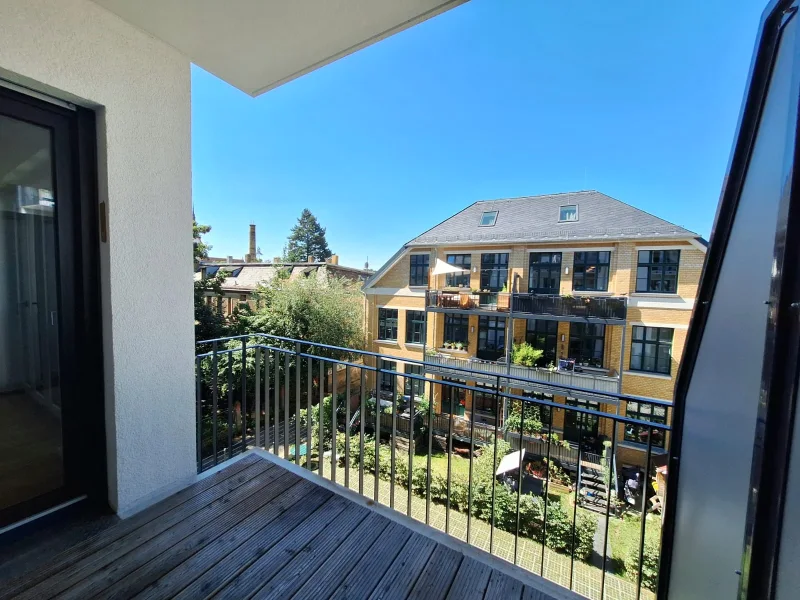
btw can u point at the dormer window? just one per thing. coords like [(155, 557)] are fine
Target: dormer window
[(568, 213), (489, 218)]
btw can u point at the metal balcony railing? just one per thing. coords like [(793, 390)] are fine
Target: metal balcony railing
[(513, 488), (513, 375), (589, 307)]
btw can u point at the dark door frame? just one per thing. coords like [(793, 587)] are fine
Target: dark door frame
[(74, 144)]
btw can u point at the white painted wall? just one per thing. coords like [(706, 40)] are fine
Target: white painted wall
[(141, 88)]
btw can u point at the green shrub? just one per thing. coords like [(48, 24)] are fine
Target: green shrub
[(525, 354), (649, 564)]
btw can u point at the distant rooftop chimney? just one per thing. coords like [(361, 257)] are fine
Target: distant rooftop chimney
[(276, 259), (251, 255), (311, 259), (334, 259), (230, 259)]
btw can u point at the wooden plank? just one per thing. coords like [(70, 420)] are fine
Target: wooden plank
[(438, 574), (367, 572), (352, 529), (269, 564), (503, 587), (346, 560), (118, 585), (123, 528), (202, 580), (471, 580), (529, 593), (404, 571), (189, 510)]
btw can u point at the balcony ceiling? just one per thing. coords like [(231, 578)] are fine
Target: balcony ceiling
[(257, 45)]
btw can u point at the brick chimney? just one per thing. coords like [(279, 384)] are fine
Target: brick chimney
[(334, 259), (251, 255), (311, 259)]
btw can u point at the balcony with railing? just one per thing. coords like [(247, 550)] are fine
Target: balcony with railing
[(313, 481), (606, 309), (532, 379)]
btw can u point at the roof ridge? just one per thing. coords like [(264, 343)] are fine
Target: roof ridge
[(540, 196)]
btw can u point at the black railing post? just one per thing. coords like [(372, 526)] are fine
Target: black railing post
[(583, 417), (276, 432), (494, 459), (297, 366), (412, 415), (608, 507), (546, 487), (430, 452), (199, 399), (257, 404), (309, 413), (334, 428), (266, 399), (392, 441), (362, 417), (645, 479), (471, 454), (519, 474), (215, 401), (286, 383), (243, 407), (377, 428), (230, 403), (321, 420), (347, 427)]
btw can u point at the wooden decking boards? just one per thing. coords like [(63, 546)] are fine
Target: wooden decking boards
[(256, 530)]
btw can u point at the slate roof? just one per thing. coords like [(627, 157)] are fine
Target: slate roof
[(536, 219), (250, 275)]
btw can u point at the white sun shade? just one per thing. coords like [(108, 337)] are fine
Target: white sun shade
[(510, 462), (442, 268)]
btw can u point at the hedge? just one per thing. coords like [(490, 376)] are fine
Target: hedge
[(558, 533)]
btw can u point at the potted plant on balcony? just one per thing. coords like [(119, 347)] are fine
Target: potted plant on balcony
[(504, 299), (459, 346)]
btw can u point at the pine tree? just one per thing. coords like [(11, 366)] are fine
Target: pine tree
[(307, 239)]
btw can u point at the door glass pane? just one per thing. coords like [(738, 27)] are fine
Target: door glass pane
[(31, 462)]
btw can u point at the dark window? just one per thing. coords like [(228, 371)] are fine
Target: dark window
[(590, 271), (455, 279), (453, 398), (657, 271), (415, 326), (388, 380), (494, 271), (387, 324), (543, 335), (586, 343), (491, 337), (645, 412), (575, 423), (488, 218), (484, 400), (417, 385), (651, 349), (568, 212), (544, 273), (538, 411), (419, 269), (211, 271), (456, 328)]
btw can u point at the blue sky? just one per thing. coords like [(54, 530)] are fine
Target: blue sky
[(494, 99)]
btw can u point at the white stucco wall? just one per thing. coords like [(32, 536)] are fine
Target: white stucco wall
[(141, 88)]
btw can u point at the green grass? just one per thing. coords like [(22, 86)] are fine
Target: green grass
[(624, 535), (459, 464)]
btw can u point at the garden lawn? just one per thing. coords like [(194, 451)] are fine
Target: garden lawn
[(624, 535), (459, 465)]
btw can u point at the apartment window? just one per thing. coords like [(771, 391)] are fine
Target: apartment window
[(415, 385), (387, 324), (586, 343), (491, 337), (488, 218), (453, 398), (388, 379), (590, 271), (580, 425), (494, 271), (657, 271), (456, 328), (568, 212), (643, 411), (415, 327), (543, 413), (484, 400), (459, 279), (419, 270), (544, 272), (651, 349), (543, 335), (211, 271)]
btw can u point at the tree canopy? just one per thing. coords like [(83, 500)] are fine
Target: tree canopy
[(201, 249), (307, 239)]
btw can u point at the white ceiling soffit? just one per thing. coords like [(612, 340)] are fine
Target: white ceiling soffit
[(257, 45)]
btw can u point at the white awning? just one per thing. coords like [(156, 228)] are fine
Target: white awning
[(442, 268), (511, 462)]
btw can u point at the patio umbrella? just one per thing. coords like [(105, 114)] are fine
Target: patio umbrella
[(442, 268), (510, 462)]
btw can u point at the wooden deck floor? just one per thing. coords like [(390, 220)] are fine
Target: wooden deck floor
[(256, 530)]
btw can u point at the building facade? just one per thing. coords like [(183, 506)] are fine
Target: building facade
[(604, 290)]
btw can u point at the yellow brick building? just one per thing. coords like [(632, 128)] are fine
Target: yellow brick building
[(581, 276)]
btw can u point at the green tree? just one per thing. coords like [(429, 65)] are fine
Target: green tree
[(307, 239), (201, 249), (209, 322)]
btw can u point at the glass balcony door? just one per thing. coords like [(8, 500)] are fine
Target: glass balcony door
[(544, 273)]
